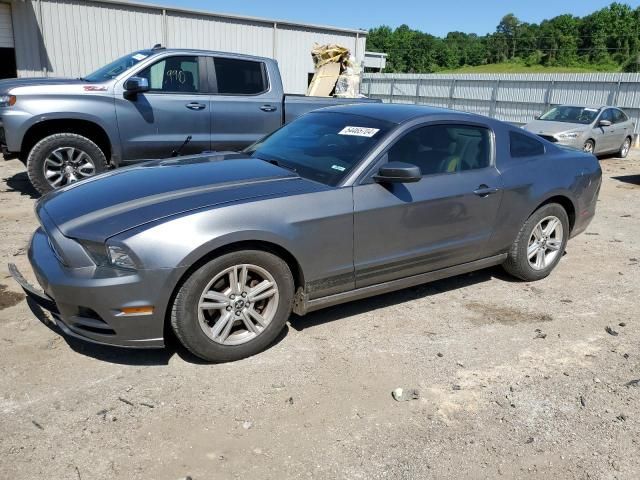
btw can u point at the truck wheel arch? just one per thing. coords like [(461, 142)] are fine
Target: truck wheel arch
[(86, 128)]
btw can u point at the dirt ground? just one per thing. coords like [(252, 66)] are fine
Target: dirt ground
[(516, 380)]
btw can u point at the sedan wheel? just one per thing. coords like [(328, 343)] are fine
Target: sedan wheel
[(624, 149), (545, 243), (233, 306), (588, 146), (238, 304)]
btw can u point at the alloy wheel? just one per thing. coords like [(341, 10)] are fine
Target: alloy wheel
[(67, 165), (238, 304), (588, 147), (545, 242), (625, 148)]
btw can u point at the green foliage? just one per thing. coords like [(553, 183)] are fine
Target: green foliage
[(608, 39)]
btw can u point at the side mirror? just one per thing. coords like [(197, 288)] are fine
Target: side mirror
[(398, 172), (135, 85), (604, 123)]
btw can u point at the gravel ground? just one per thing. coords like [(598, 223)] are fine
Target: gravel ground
[(518, 380)]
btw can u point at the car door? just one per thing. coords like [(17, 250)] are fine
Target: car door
[(445, 219), (154, 123), (621, 128), (244, 107), (603, 135)]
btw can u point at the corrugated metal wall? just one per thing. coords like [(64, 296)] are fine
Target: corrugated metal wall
[(74, 37), (511, 97)]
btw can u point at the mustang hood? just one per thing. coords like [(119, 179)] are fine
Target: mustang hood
[(103, 206)]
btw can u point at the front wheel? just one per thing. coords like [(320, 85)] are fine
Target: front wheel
[(589, 146), (233, 306), (540, 243), (61, 159)]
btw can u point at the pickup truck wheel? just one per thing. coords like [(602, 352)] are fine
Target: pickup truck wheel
[(61, 159), (234, 306), (540, 243)]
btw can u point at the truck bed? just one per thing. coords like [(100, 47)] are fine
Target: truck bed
[(296, 105)]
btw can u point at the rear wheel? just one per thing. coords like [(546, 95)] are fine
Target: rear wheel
[(624, 148), (234, 306), (540, 243), (61, 159), (589, 146)]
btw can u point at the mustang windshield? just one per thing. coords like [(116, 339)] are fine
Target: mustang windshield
[(581, 115), (322, 146), (118, 66)]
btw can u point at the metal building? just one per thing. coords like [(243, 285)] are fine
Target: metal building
[(70, 38)]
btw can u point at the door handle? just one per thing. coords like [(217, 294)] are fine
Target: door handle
[(484, 190), (268, 108), (195, 106)]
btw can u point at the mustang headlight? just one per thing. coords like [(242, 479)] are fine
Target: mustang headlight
[(569, 135), (7, 100), (108, 255), (119, 257)]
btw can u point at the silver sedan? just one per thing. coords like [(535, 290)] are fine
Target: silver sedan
[(596, 130)]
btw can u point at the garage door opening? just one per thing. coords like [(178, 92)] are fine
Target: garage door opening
[(7, 51)]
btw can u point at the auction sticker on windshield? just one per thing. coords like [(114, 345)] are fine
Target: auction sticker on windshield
[(359, 131)]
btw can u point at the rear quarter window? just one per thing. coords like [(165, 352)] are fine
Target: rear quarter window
[(522, 146)]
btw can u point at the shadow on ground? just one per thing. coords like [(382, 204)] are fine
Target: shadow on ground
[(127, 356), (20, 183), (632, 179), (394, 298)]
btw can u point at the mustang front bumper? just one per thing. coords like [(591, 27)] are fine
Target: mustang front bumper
[(91, 303)]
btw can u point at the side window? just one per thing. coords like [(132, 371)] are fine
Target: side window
[(524, 146), (607, 115), (444, 148), (619, 116), (173, 74), (239, 77)]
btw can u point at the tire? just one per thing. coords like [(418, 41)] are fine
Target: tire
[(624, 148), (73, 152), (196, 327), (589, 146), (518, 262)]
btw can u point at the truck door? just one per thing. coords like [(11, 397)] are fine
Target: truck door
[(244, 106), (154, 123)]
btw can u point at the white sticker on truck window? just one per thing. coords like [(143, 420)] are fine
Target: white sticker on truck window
[(139, 56), (590, 109), (338, 167), (359, 131)]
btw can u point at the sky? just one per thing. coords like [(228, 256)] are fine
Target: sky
[(435, 17)]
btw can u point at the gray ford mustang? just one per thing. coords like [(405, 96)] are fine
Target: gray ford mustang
[(343, 203)]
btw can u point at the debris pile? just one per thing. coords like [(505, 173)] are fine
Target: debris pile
[(336, 73)]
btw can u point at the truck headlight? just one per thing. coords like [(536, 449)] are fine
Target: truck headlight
[(7, 100), (569, 135), (119, 257)]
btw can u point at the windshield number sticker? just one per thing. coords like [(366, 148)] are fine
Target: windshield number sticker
[(359, 131), (338, 167), (139, 56), (590, 109)]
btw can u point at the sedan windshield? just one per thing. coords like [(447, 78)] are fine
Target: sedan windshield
[(582, 115), (322, 146), (115, 68)]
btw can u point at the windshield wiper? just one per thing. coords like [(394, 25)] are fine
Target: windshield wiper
[(279, 164)]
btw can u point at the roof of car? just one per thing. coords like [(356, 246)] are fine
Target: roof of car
[(399, 113)]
